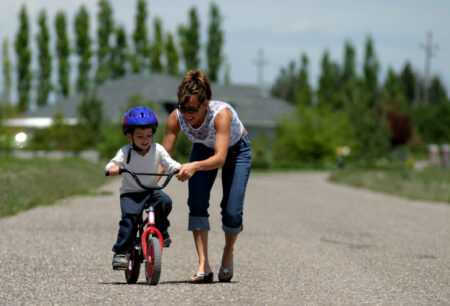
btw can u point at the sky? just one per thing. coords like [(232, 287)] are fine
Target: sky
[(283, 30)]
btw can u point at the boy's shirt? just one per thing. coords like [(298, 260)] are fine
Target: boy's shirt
[(146, 164)]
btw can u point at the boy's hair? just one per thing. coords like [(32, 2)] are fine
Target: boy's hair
[(195, 83)]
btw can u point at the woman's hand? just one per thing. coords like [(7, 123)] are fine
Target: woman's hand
[(113, 170), (187, 171)]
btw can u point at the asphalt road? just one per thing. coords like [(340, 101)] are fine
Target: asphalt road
[(305, 241)]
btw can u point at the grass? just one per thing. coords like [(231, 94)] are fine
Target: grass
[(26, 183), (430, 183)]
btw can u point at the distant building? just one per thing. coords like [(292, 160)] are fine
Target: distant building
[(256, 108)]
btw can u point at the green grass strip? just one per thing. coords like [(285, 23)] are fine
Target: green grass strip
[(26, 183), (431, 183)]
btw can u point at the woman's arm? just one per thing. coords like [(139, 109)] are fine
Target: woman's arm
[(222, 124), (170, 136)]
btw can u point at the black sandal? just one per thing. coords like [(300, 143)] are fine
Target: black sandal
[(225, 274), (202, 278)]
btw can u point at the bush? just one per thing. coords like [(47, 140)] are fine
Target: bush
[(311, 135), (261, 152), (433, 122)]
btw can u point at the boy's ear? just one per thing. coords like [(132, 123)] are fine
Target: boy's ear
[(129, 136)]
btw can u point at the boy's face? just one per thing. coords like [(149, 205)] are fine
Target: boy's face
[(142, 138)]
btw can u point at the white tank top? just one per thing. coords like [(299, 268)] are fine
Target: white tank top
[(206, 133)]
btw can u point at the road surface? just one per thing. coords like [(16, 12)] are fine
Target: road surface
[(305, 241)]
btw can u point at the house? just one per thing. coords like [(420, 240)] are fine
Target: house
[(256, 108)]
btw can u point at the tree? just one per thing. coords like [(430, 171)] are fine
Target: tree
[(23, 51), (63, 53), (190, 41), (329, 83), (140, 38), (90, 111), (104, 50), (408, 82), (286, 85), (371, 69), (172, 57), (436, 91), (349, 65), (83, 48), (304, 94), (215, 41), (157, 47), (6, 95), (226, 77), (120, 54), (45, 61)]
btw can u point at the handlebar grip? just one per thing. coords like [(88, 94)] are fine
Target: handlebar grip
[(121, 170)]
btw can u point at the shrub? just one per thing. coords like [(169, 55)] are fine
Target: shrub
[(311, 135)]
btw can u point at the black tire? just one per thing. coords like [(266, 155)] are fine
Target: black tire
[(153, 261), (134, 267)]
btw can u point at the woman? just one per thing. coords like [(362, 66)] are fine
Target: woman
[(219, 140)]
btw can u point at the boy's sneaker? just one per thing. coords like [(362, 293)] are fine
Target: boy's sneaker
[(166, 239), (120, 261)]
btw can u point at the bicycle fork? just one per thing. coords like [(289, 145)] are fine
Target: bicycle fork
[(151, 229)]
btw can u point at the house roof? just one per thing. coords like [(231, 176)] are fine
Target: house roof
[(254, 106)]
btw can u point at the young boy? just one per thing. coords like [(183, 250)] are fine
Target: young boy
[(142, 155)]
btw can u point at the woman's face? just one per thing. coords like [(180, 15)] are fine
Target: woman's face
[(193, 112)]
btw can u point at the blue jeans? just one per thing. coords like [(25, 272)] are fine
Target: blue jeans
[(235, 174), (132, 206)]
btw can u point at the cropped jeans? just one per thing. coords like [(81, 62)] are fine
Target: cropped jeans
[(235, 174)]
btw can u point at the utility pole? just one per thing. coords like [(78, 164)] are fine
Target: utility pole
[(260, 62), (429, 53)]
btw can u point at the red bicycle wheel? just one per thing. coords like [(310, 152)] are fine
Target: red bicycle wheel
[(153, 261)]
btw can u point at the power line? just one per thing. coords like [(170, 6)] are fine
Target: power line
[(429, 53), (260, 62)]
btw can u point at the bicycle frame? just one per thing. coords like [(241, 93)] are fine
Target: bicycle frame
[(151, 228)]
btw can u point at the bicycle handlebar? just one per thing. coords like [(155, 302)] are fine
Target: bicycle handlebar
[(138, 181)]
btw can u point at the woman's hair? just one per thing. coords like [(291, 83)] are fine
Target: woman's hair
[(195, 83)]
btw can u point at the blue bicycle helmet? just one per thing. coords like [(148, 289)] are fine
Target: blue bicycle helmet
[(139, 116)]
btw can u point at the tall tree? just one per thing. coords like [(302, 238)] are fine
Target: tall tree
[(83, 49), (214, 46), (23, 51), (120, 54), (304, 94), (6, 95), (286, 85), (45, 61), (63, 53), (409, 82), (329, 82), (172, 57), (140, 38), (371, 69), (349, 65), (104, 50), (157, 47), (226, 76), (436, 91), (190, 41), (392, 95)]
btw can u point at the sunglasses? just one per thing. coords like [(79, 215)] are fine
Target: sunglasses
[(188, 110)]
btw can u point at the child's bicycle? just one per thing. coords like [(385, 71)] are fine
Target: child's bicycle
[(147, 248)]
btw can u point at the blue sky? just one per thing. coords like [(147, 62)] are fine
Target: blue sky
[(286, 29)]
